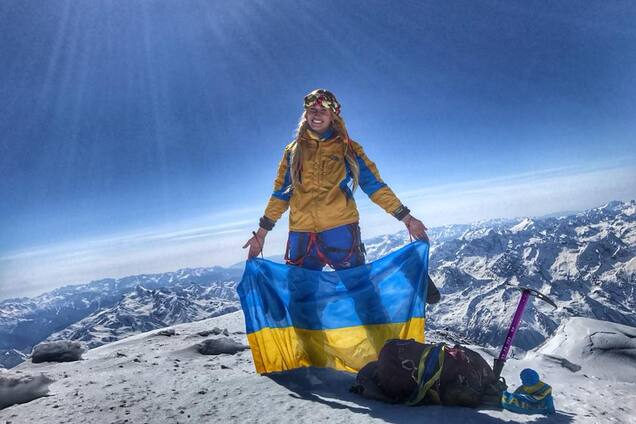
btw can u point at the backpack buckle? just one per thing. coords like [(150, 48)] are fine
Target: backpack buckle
[(411, 367)]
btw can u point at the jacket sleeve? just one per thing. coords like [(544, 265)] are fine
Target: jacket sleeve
[(279, 201), (377, 190)]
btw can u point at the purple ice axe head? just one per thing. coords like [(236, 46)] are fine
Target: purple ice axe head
[(526, 292)]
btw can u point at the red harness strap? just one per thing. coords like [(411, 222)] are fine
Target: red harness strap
[(310, 243), (314, 240)]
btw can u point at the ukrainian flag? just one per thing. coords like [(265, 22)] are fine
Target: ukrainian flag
[(297, 317)]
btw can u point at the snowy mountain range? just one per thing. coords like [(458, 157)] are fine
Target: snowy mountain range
[(586, 262), (146, 309), (110, 309)]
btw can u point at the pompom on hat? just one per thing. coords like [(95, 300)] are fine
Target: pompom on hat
[(324, 98)]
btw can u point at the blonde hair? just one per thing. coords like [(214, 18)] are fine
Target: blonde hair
[(296, 160)]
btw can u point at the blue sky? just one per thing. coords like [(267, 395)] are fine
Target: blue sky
[(144, 136)]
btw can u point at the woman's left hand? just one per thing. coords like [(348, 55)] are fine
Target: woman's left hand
[(415, 227)]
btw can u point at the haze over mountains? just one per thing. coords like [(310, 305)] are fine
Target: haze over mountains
[(585, 261)]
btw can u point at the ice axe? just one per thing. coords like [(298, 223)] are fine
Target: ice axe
[(526, 292)]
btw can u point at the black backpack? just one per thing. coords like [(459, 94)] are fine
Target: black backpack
[(415, 373)]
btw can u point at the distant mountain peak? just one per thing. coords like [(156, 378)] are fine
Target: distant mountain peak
[(525, 224)]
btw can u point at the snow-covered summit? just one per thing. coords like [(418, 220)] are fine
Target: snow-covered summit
[(525, 224), (156, 379)]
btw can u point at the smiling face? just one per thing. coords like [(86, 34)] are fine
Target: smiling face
[(319, 118)]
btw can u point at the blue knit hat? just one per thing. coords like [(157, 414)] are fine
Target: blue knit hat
[(529, 377)]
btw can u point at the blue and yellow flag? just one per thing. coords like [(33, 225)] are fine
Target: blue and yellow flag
[(297, 317)]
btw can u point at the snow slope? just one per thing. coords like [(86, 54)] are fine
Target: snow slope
[(149, 378), (593, 345)]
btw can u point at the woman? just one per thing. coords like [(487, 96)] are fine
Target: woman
[(316, 179)]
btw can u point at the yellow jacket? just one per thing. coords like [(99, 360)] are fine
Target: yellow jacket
[(324, 200)]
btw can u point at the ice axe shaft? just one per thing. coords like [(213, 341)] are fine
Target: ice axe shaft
[(514, 326), (516, 320)]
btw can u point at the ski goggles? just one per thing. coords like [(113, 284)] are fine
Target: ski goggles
[(322, 98)]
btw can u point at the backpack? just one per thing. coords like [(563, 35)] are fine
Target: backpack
[(466, 377), (415, 373)]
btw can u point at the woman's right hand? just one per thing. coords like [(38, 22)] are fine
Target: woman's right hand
[(256, 243)]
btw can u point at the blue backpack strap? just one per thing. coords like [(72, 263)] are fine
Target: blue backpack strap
[(346, 181), (428, 373)]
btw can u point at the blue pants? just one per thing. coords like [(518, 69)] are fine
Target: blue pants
[(338, 247)]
